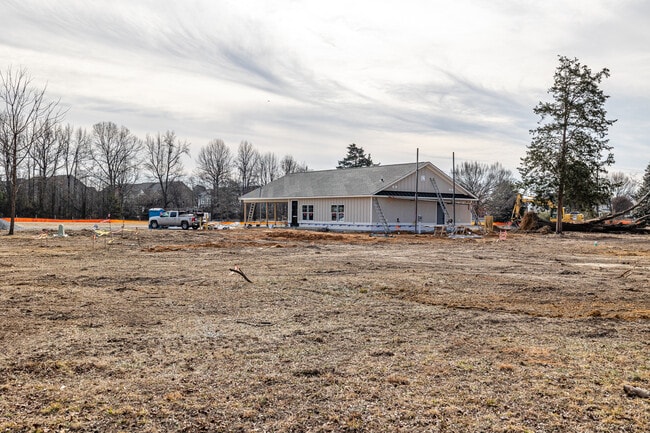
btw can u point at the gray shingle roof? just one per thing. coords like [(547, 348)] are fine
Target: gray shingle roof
[(349, 182)]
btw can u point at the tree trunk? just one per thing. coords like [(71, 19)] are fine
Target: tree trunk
[(14, 191), (560, 204)]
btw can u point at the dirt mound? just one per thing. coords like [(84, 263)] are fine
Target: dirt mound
[(529, 222), (304, 235)]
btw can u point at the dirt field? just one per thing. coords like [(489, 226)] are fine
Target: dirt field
[(149, 331)]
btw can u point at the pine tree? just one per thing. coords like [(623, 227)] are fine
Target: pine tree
[(355, 157), (644, 209), (567, 158)]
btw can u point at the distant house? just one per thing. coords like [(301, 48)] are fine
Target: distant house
[(365, 199)]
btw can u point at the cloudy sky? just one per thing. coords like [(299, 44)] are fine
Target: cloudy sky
[(307, 78)]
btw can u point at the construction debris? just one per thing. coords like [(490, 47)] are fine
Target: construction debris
[(236, 270)]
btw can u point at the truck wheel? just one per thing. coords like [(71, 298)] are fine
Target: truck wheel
[(185, 225), (153, 225)]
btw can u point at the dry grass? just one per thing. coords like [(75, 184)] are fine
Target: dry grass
[(150, 332)]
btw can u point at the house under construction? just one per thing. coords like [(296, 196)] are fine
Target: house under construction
[(378, 198)]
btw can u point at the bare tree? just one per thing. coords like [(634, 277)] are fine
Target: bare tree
[(268, 168), (484, 181), (116, 154), (622, 184), (623, 190), (289, 165), (46, 157), (75, 153), (246, 164), (214, 166), (25, 117), (164, 155)]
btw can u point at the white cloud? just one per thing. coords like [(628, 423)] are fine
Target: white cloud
[(308, 78)]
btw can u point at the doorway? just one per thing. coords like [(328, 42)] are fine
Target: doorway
[(294, 213)]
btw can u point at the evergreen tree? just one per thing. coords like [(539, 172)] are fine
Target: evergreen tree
[(355, 157), (644, 208), (567, 158)]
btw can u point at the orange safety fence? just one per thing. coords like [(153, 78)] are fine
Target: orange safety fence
[(135, 222), (89, 221)]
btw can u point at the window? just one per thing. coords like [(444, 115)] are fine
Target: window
[(308, 212), (338, 212)]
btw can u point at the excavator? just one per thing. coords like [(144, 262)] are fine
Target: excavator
[(567, 216)]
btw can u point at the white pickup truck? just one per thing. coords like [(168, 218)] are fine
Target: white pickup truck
[(173, 218)]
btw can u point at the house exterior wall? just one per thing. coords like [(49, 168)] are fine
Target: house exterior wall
[(396, 211), (401, 212), (356, 211), (424, 185), (361, 214)]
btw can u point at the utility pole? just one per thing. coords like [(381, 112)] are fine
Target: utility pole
[(453, 195), (417, 181)]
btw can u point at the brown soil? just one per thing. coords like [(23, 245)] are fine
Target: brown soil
[(149, 331)]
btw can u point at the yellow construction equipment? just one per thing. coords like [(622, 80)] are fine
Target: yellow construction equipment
[(519, 204), (567, 216)]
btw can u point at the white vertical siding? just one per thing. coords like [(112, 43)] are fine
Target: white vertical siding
[(424, 184), (357, 210), (397, 210)]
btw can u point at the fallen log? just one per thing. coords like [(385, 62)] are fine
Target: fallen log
[(603, 228), (609, 217), (531, 222), (633, 391)]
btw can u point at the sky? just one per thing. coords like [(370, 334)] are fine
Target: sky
[(308, 78)]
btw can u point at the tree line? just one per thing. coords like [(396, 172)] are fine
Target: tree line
[(54, 170)]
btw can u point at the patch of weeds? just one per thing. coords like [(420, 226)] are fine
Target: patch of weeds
[(396, 379), (308, 372), (464, 366), (173, 396), (249, 414), (379, 353), (63, 367), (491, 402), (124, 410), (636, 377), (262, 401), (52, 408), (354, 422), (614, 415)]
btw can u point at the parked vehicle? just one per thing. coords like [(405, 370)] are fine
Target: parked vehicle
[(159, 218)]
